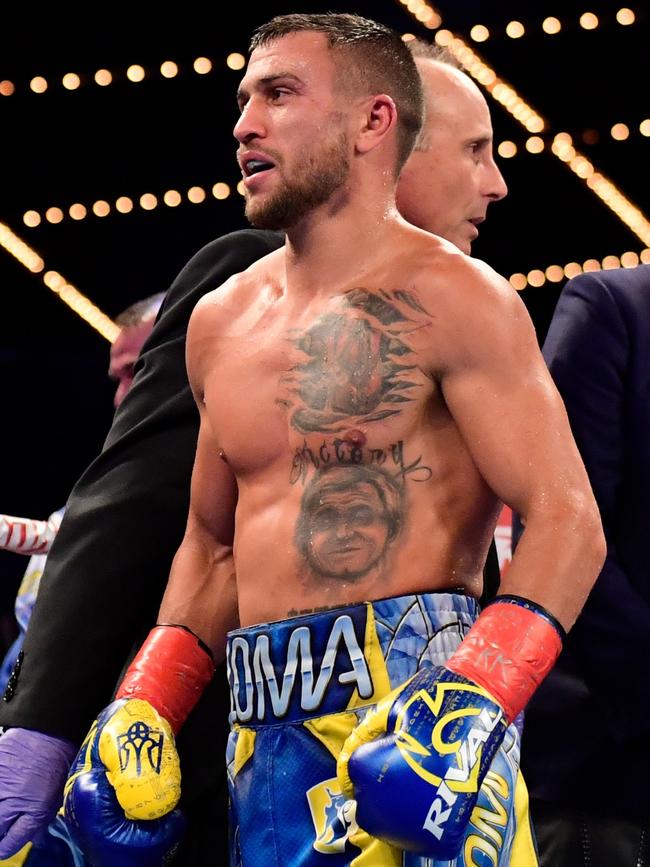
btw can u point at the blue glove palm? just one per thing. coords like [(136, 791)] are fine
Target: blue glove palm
[(123, 787), (415, 764)]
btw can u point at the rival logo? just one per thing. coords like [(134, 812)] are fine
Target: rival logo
[(260, 671), (467, 729)]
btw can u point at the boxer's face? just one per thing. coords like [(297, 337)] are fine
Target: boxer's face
[(451, 178), (294, 148)]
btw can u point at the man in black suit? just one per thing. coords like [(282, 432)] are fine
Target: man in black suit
[(590, 802), (126, 516)]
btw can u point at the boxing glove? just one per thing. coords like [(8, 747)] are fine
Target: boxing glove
[(121, 795), (416, 762)]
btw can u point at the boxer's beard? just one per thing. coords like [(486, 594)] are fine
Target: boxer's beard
[(314, 181)]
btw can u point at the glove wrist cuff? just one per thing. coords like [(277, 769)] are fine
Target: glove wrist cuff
[(170, 671), (509, 651)]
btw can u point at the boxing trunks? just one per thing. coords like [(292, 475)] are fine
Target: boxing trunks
[(298, 688)]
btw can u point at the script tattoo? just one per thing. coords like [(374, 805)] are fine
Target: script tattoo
[(344, 453), (357, 366)]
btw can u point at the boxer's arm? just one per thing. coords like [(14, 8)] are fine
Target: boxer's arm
[(513, 421), (108, 567), (119, 797), (430, 743)]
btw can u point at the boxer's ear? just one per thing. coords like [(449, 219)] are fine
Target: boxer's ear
[(378, 124)]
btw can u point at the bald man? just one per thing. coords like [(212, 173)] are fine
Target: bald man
[(451, 176), (126, 516)]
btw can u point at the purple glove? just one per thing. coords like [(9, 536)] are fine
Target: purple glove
[(33, 770)]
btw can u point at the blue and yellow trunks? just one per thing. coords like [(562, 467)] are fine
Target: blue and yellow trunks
[(298, 687)]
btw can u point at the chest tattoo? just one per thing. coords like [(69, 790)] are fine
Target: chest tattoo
[(357, 363)]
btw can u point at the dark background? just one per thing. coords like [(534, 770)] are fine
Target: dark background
[(95, 143)]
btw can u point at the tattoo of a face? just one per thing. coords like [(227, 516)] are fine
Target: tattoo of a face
[(357, 364), (349, 517)]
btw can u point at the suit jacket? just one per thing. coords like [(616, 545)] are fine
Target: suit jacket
[(590, 720)]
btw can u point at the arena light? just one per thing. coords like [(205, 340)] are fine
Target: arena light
[(196, 195), (135, 73), (515, 29), (625, 17), (221, 191), (620, 132), (589, 21), (124, 205), (148, 201), (54, 215), (202, 65), (534, 144), (479, 33), (507, 149), (103, 77), (101, 208), (38, 84), (551, 25), (71, 81), (172, 198), (235, 61), (169, 69)]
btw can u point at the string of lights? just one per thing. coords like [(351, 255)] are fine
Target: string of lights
[(535, 144), (551, 25), (69, 294), (424, 13), (135, 74), (77, 211), (536, 277)]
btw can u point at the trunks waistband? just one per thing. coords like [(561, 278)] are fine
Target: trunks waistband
[(336, 660)]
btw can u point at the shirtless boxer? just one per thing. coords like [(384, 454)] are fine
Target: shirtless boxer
[(446, 187), (356, 440)]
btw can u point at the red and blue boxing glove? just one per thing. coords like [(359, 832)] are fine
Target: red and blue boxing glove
[(416, 762), (121, 796)]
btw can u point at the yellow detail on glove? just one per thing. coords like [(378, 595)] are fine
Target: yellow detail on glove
[(137, 747), (372, 726), (18, 859)]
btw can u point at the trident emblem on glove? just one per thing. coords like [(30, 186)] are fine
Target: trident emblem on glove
[(140, 741)]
